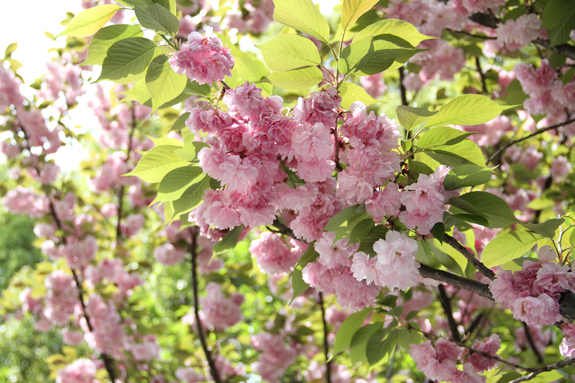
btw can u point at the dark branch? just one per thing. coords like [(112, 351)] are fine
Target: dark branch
[(402, 89), (469, 256), (207, 353), (325, 341), (537, 371), (474, 324), (481, 74), (535, 133), (532, 343), (446, 304)]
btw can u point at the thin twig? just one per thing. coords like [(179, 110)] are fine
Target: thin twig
[(472, 35), (213, 370), (325, 341), (535, 133), (532, 343), (538, 371), (481, 74), (402, 90), (446, 304), (469, 256)]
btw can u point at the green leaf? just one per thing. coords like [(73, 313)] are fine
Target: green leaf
[(162, 82), (486, 205), (353, 9), (425, 254), (298, 284), (359, 341), (180, 122), (441, 136), (466, 175), (410, 117), (158, 18), (348, 328), (296, 79), (11, 48), (340, 218), (393, 27), (469, 109), (361, 230), (88, 22), (351, 93), (559, 19), (156, 163), (547, 228), (547, 377), (381, 343), (190, 151), (366, 245), (230, 240), (127, 60), (302, 15), (462, 153), (192, 197), (105, 37), (288, 52), (508, 246), (438, 231), (308, 256), (177, 181)]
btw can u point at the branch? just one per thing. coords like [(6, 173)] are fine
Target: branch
[(472, 35), (325, 341), (446, 303), (532, 343), (469, 256), (207, 353), (474, 324), (537, 371), (481, 74), (535, 133), (402, 89)]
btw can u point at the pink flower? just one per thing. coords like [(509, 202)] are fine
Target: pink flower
[(542, 310), (561, 167), (189, 375), (72, 337), (81, 371), (489, 345), (384, 203), (396, 262), (333, 253), (169, 255), (219, 311), (424, 202), (373, 85), (26, 201), (203, 58), (273, 255), (520, 32)]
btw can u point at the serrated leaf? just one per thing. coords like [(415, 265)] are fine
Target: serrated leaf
[(394, 27), (177, 181), (89, 21), (366, 245), (190, 151), (127, 60), (425, 254), (162, 83), (469, 109), (486, 205), (361, 230), (288, 52), (302, 15), (156, 163), (105, 38), (230, 240), (410, 117), (296, 79), (299, 286), (380, 344), (353, 9), (463, 153), (359, 341), (310, 255), (547, 228), (351, 93), (157, 18), (180, 122), (348, 328), (192, 197), (441, 136), (508, 246), (559, 19), (340, 218), (466, 175)]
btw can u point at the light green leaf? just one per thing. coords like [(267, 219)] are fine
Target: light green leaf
[(380, 344), (547, 228), (394, 27), (508, 246), (348, 328), (466, 175), (105, 37), (353, 9), (190, 150), (410, 117), (559, 19), (486, 205), (177, 181), (127, 60), (351, 93), (180, 122), (302, 15), (310, 255), (366, 245), (248, 67), (425, 254), (138, 92), (462, 153), (192, 197), (359, 341), (288, 52), (299, 286), (340, 218), (158, 18), (469, 109), (88, 22), (296, 79), (156, 163), (230, 240), (162, 82), (441, 136)]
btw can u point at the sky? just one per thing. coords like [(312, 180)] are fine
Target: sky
[(25, 22)]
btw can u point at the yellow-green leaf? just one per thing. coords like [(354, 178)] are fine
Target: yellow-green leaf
[(353, 9), (88, 22), (303, 16)]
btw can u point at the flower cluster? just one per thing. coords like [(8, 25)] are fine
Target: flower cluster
[(275, 356), (533, 292), (203, 58), (219, 311)]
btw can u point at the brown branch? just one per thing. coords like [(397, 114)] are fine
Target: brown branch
[(446, 304), (476, 287), (213, 370), (402, 90), (325, 341), (537, 371), (474, 324), (535, 133), (472, 35), (469, 256), (532, 343), (481, 74)]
